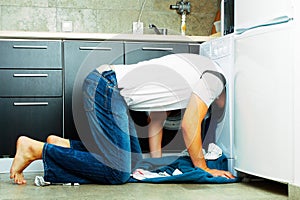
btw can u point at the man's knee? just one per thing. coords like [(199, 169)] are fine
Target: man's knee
[(51, 139)]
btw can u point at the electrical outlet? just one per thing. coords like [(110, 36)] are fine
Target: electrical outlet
[(67, 26), (137, 27)]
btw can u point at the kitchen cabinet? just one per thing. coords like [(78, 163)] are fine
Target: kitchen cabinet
[(80, 58), (30, 92), (34, 117), (39, 77), (172, 141)]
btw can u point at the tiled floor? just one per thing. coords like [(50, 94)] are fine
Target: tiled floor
[(255, 190)]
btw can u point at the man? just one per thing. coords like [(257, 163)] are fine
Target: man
[(177, 81)]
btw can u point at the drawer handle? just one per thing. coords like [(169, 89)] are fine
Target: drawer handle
[(157, 49), (31, 103), (29, 47), (31, 75), (96, 48)]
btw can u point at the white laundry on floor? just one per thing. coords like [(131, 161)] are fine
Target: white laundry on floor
[(40, 182), (141, 174), (213, 152)]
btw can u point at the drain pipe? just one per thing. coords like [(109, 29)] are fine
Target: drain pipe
[(182, 8), (183, 24)]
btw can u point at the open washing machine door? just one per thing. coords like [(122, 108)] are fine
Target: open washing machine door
[(221, 128)]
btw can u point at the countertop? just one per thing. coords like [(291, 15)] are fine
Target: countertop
[(100, 36)]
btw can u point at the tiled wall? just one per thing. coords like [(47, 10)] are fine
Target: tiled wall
[(104, 16)]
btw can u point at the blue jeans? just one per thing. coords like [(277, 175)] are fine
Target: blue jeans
[(113, 132)]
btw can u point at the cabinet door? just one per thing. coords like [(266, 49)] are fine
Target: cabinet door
[(30, 54), (140, 51), (33, 117), (264, 111), (79, 59)]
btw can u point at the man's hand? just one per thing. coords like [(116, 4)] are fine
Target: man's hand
[(216, 172)]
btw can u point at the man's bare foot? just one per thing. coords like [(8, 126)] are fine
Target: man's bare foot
[(28, 150), (53, 139)]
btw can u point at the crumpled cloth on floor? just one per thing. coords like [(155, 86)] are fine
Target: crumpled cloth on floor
[(213, 152), (40, 182), (190, 174), (141, 174)]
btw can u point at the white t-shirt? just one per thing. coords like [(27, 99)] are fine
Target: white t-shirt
[(167, 83)]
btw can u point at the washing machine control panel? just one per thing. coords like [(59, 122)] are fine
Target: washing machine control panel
[(217, 48)]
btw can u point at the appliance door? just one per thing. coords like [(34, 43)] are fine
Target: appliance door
[(297, 100), (264, 102), (255, 12)]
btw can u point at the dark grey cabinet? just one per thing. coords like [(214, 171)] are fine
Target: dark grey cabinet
[(33, 117), (140, 51), (31, 97), (135, 52), (81, 57), (38, 79)]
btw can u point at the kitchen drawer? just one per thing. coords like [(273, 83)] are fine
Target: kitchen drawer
[(30, 83), (33, 117), (140, 51), (30, 54)]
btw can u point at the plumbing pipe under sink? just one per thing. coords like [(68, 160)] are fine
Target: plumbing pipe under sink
[(182, 8)]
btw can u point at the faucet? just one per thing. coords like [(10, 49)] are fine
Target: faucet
[(182, 7), (162, 31)]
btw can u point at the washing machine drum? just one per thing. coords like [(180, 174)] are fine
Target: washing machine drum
[(173, 121)]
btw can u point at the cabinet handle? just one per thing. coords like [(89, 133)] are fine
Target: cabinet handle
[(31, 103), (29, 47), (96, 48), (31, 75), (157, 49)]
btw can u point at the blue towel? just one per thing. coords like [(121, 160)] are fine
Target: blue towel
[(190, 174)]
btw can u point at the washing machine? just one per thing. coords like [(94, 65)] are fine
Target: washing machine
[(219, 128)]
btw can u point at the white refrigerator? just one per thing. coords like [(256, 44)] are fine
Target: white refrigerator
[(266, 77)]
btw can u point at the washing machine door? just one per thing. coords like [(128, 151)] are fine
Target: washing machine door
[(213, 124)]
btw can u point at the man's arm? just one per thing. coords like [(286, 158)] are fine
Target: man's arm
[(155, 132), (191, 128)]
